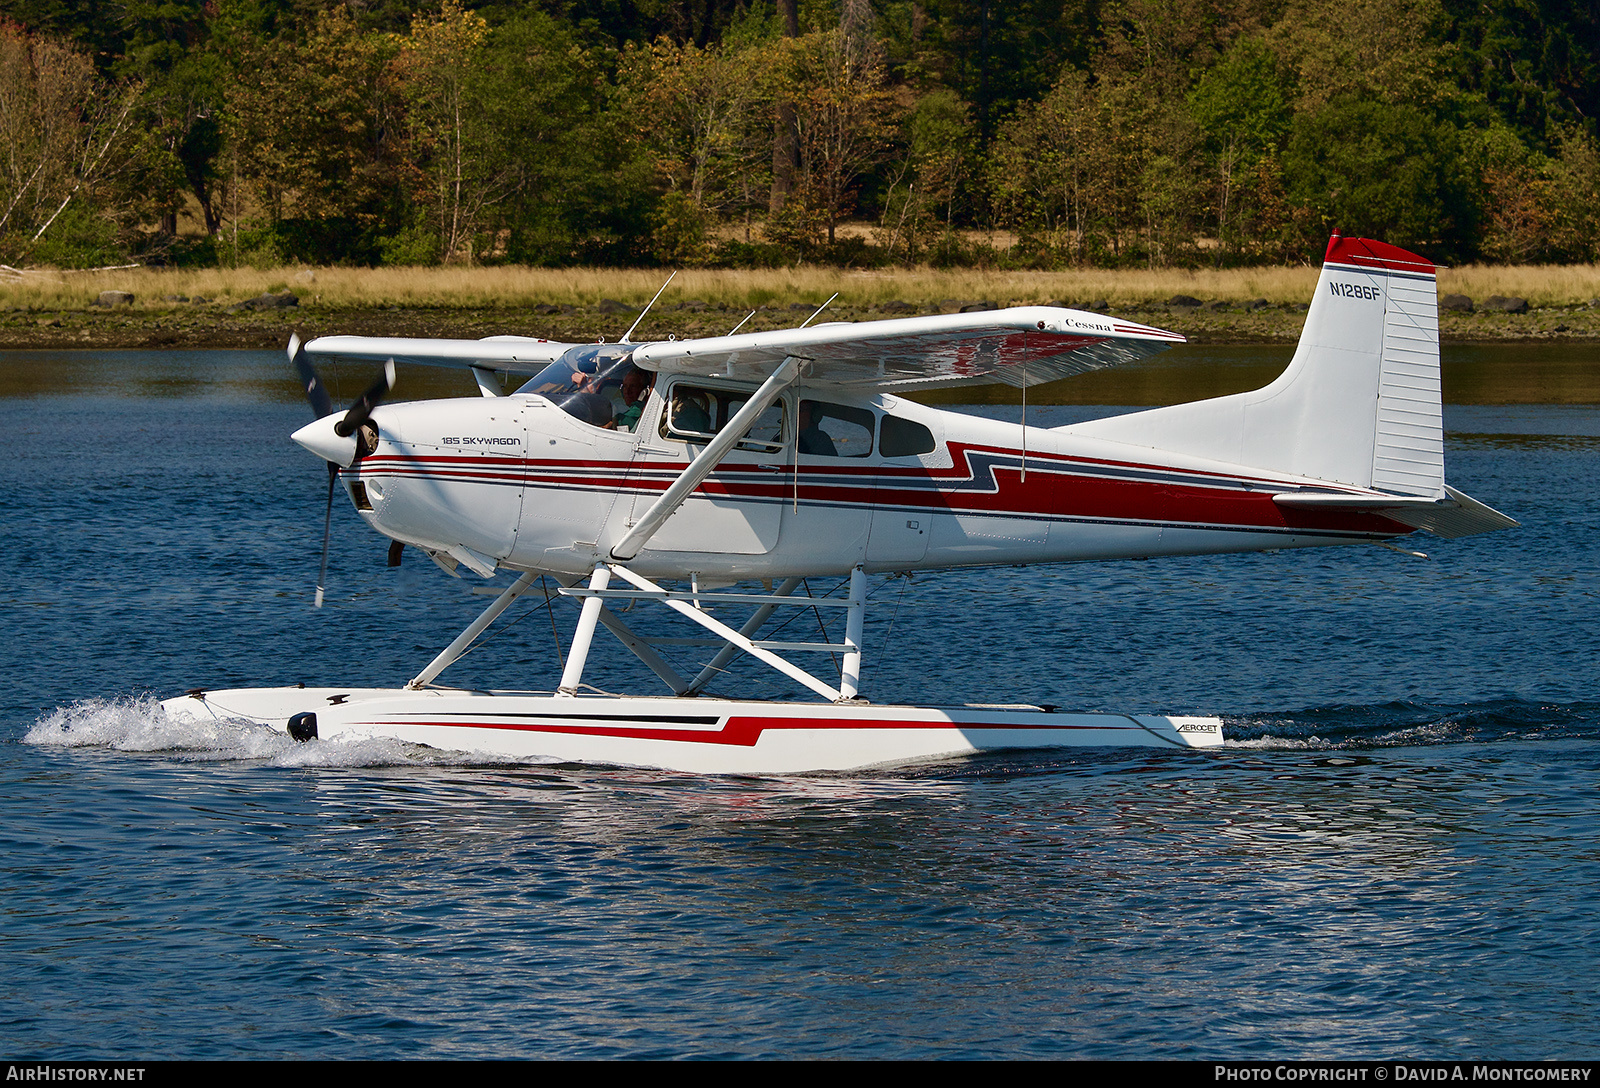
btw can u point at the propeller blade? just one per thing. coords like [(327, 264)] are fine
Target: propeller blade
[(360, 411), (310, 380), (327, 528), (362, 408)]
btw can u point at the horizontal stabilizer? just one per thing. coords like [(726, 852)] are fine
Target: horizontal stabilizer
[(1455, 515)]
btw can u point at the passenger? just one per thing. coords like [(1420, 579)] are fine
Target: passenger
[(689, 412), (812, 438)]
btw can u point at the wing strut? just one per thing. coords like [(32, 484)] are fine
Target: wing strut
[(692, 605)]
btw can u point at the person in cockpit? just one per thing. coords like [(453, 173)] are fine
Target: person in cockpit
[(636, 386)]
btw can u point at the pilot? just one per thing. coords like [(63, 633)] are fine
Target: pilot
[(636, 387), (812, 438)]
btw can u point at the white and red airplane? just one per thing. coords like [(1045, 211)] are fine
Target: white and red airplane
[(772, 457)]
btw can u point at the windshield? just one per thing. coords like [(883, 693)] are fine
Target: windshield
[(585, 382)]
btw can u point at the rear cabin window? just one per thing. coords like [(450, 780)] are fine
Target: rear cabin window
[(903, 438), (835, 430)]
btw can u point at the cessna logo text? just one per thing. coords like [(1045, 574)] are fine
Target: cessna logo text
[(1353, 290), (480, 440)]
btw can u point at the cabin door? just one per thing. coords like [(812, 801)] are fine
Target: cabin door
[(738, 509)]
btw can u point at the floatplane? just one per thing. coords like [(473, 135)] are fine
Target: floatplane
[(714, 476)]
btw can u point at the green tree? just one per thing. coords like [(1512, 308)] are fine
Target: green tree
[(1573, 196), (309, 127), (1066, 173), (846, 117), (66, 135), (702, 116), (449, 152), (1170, 191), (1377, 50), (928, 179), (167, 47), (1539, 207), (581, 186), (1163, 44), (1383, 170), (1241, 109), (1516, 225), (1536, 62), (997, 57)]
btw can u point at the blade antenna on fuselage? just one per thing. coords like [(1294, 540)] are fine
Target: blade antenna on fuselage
[(814, 316), (644, 311)]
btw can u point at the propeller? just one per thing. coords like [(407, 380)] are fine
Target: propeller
[(354, 419), (361, 410), (316, 392)]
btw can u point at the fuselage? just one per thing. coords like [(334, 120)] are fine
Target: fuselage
[(827, 480)]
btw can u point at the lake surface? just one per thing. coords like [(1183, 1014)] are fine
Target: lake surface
[(1394, 857)]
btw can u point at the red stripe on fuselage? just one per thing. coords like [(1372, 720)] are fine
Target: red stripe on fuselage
[(1061, 487)]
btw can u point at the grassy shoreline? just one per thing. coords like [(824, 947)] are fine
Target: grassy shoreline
[(202, 307), (520, 287)]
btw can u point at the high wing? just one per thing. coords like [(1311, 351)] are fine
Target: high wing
[(513, 354), (1021, 346)]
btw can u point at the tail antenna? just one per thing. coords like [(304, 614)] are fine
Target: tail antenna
[(625, 336)]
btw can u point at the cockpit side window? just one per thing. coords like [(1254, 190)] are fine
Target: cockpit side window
[(696, 413), (688, 413)]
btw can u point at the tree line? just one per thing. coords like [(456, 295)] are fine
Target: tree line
[(746, 132)]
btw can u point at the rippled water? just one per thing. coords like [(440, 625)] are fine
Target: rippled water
[(1393, 857)]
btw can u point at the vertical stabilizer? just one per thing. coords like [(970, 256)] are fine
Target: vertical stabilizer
[(1358, 404)]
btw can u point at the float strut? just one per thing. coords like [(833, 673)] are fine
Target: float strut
[(850, 674), (450, 653), (726, 633), (751, 626), (578, 655)]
